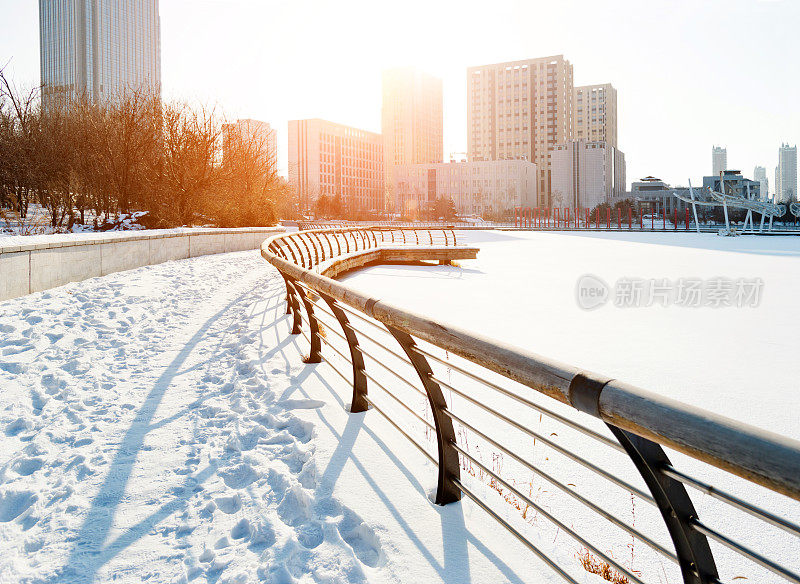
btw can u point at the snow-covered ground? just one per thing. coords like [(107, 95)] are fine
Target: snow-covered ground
[(159, 425), (37, 222)]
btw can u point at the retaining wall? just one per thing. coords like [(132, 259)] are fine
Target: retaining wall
[(35, 263)]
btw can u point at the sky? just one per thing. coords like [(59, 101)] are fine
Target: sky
[(689, 74)]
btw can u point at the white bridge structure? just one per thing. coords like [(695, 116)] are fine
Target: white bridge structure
[(737, 201)]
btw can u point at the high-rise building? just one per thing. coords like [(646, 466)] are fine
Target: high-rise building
[(411, 120), (786, 174), (585, 174), (520, 110), (99, 49), (760, 175), (481, 187), (255, 134), (332, 160), (719, 160), (594, 113)]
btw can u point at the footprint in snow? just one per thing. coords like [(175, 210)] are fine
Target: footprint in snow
[(27, 466), (15, 503), (229, 505)]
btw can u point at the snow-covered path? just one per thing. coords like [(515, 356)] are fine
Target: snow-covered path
[(159, 425)]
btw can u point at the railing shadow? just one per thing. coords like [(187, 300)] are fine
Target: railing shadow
[(90, 551), (455, 568)]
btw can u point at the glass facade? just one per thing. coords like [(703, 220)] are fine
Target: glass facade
[(99, 49)]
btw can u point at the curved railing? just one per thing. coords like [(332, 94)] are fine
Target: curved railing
[(630, 447), (308, 248)]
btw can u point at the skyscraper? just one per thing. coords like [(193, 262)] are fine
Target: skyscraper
[(411, 120), (99, 49), (719, 160), (520, 110), (594, 114), (786, 174), (760, 175)]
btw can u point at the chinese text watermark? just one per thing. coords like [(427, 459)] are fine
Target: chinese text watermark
[(718, 292)]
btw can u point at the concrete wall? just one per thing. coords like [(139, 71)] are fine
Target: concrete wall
[(35, 263)]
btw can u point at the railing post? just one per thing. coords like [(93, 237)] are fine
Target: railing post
[(288, 296), (305, 245), (694, 554), (291, 294), (315, 356), (314, 240), (359, 403), (446, 490), (330, 245)]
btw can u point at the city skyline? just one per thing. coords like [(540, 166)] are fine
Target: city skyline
[(660, 131)]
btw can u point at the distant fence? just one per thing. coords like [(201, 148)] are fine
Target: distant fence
[(459, 397), (39, 262), (568, 218)]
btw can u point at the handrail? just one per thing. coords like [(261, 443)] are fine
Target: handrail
[(642, 422)]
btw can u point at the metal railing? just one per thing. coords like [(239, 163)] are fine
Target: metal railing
[(308, 248), (532, 440)]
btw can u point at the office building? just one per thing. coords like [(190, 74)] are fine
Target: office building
[(411, 121), (760, 176), (585, 174), (786, 175), (594, 114), (99, 50), (735, 184), (333, 160), (653, 196), (476, 188), (520, 110), (252, 134), (719, 160)]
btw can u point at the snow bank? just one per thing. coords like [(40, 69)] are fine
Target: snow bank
[(40, 262)]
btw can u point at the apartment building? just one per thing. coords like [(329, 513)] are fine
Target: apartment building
[(254, 134), (329, 159), (585, 174), (520, 110), (99, 50), (411, 120), (594, 114), (478, 187)]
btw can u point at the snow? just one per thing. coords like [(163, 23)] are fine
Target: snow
[(521, 289), (37, 222), (159, 424), (734, 361)]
